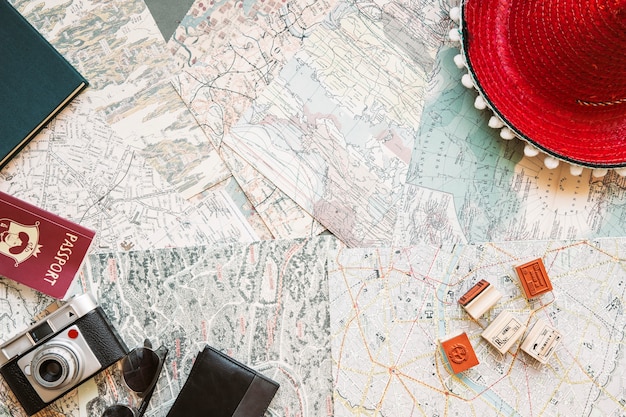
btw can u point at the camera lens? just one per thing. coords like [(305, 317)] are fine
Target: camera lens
[(51, 370), (54, 366)]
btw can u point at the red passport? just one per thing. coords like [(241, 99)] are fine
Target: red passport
[(40, 249)]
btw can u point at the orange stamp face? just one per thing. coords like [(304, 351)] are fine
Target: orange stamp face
[(474, 292), (534, 278), (460, 353)]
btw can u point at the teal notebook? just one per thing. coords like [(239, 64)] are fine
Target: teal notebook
[(36, 82)]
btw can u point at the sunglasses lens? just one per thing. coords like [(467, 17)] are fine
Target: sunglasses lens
[(140, 368), (118, 411)]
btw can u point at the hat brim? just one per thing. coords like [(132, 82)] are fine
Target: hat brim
[(587, 135)]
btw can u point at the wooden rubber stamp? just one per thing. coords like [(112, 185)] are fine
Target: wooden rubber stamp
[(459, 353), (534, 278)]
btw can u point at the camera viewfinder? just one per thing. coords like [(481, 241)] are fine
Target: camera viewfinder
[(41, 332)]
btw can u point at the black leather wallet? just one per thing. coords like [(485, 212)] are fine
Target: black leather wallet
[(220, 386)]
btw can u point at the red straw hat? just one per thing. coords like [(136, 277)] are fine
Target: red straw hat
[(554, 72)]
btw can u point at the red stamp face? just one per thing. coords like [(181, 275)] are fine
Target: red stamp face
[(460, 353), (534, 278)]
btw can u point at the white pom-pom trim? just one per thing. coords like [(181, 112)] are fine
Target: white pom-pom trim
[(455, 35), (621, 172), (480, 103), (506, 133), (455, 14), (495, 123), (530, 150), (551, 162), (466, 80), (459, 61), (599, 172), (575, 170)]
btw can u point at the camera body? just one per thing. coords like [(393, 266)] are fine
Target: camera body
[(59, 352)]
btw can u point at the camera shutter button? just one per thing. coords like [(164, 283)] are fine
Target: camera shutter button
[(27, 369)]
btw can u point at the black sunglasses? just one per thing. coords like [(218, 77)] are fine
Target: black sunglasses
[(141, 369)]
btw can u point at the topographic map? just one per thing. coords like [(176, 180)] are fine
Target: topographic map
[(79, 168), (340, 148), (335, 127), (228, 53), (498, 193), (391, 307), (265, 304)]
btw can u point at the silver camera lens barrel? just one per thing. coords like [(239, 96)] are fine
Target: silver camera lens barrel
[(54, 366)]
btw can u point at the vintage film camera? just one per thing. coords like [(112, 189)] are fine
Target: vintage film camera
[(59, 352)]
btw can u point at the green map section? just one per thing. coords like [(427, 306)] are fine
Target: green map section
[(498, 193)]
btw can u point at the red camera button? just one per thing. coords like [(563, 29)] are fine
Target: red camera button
[(73, 333)]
